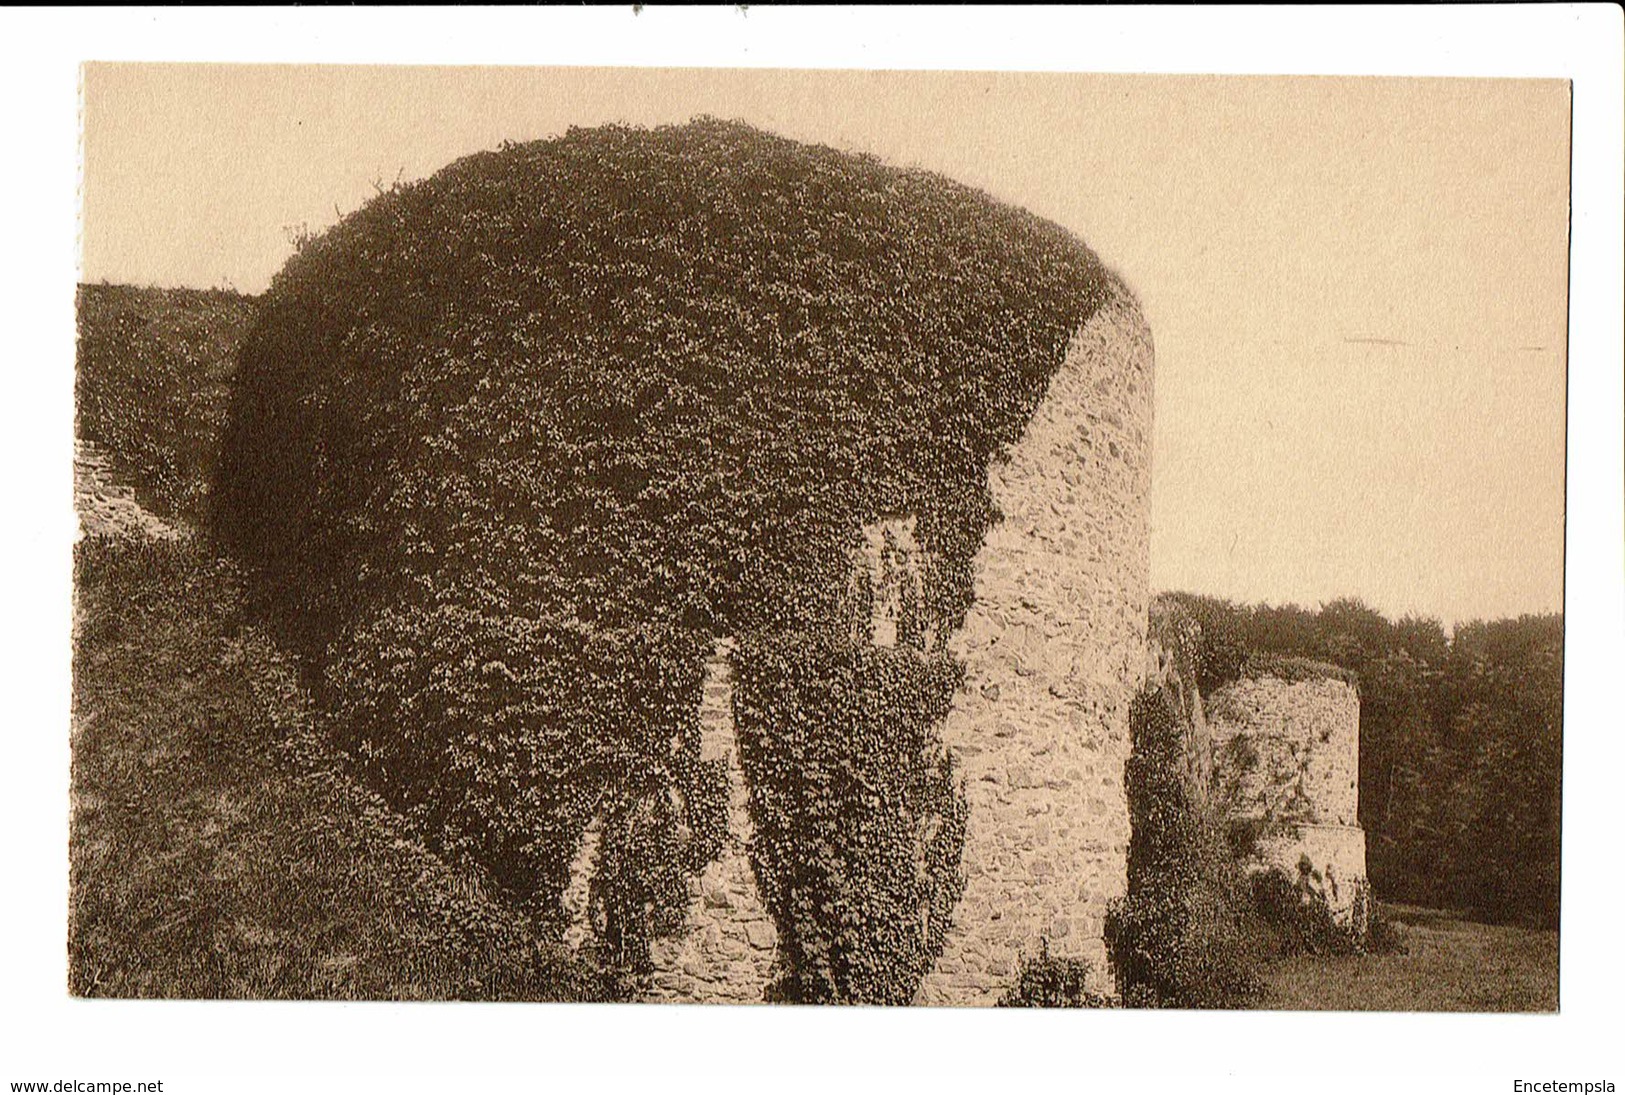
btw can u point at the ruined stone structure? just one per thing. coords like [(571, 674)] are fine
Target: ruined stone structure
[(1287, 760), (1054, 650), (626, 376), (107, 507), (726, 954)]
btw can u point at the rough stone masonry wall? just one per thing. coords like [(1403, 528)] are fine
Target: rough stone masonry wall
[(1288, 756), (107, 507), (728, 953), (1305, 736), (1054, 650), (889, 563)]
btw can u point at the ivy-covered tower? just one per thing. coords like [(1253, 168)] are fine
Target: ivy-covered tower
[(665, 513)]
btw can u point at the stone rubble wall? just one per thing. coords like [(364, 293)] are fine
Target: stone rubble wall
[(1054, 650), (578, 927), (729, 952), (891, 558), (1306, 738), (109, 508), (1301, 782), (1333, 856)]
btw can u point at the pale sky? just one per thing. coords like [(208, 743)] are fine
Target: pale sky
[(1357, 287)]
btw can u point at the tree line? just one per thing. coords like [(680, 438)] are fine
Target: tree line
[(1461, 744)]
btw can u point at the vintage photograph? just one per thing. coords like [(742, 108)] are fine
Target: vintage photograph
[(724, 536)]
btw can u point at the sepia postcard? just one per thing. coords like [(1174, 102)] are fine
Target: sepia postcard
[(623, 558), (711, 537)]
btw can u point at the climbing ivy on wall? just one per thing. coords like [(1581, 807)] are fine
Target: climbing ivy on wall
[(628, 373), (509, 443), (504, 736), (860, 822)]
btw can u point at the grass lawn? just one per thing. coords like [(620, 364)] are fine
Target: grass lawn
[(1453, 964), (217, 850)]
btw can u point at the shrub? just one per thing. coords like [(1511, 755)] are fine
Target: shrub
[(152, 384), (1181, 943), (1050, 982), (1178, 938), (1214, 639), (1383, 935), (1296, 919), (1295, 670), (860, 824)]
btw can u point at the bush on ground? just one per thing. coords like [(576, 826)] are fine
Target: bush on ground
[(1050, 982), (1383, 935), (1179, 938), (1295, 918)]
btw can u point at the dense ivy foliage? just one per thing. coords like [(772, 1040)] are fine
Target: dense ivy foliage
[(631, 373), (152, 386), (1180, 938), (860, 823), (509, 443), (1294, 670), (507, 735)]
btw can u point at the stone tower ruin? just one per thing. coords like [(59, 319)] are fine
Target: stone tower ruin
[(575, 411), (1287, 757), (1054, 654)]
